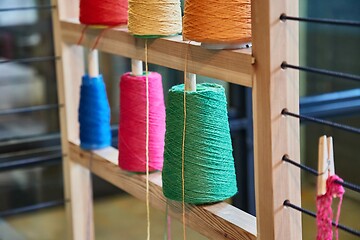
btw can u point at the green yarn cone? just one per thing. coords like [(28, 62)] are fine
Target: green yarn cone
[(208, 164)]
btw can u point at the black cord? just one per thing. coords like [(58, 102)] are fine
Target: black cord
[(40, 7), (348, 185), (303, 167), (31, 208), (31, 161), (321, 121), (345, 184), (348, 23), (32, 59), (287, 203), (30, 109), (348, 76)]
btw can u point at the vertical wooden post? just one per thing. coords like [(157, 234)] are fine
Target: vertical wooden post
[(274, 89), (77, 179)]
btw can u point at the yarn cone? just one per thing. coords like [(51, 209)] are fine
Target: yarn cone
[(208, 163), (94, 114)]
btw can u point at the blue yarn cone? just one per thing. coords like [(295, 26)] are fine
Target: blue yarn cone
[(94, 114)]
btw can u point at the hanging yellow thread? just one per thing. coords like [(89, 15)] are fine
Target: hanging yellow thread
[(183, 149), (154, 17), (147, 142), (217, 21)]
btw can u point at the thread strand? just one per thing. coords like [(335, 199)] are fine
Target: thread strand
[(147, 141), (183, 151)]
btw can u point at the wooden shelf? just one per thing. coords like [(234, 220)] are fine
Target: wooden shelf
[(233, 66), (216, 221)]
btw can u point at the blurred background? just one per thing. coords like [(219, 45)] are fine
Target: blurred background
[(31, 188)]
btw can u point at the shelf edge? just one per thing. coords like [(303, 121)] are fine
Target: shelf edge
[(216, 221), (168, 52)]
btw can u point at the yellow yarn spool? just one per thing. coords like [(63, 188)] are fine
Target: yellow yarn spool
[(154, 18)]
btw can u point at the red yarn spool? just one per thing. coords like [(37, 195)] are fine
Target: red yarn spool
[(132, 122), (104, 12)]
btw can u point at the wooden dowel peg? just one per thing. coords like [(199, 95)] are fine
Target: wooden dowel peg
[(136, 67), (190, 82), (93, 63)]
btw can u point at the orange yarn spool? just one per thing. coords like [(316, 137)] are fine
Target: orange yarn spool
[(217, 21)]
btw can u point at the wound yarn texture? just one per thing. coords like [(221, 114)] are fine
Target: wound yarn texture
[(217, 21), (94, 114), (324, 215), (132, 123), (209, 173), (104, 12), (154, 17)]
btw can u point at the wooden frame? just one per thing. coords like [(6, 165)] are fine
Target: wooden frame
[(274, 135)]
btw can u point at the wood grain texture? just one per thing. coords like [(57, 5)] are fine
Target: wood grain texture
[(231, 66), (274, 89), (216, 221), (69, 70)]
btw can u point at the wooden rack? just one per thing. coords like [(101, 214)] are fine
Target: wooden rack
[(273, 89)]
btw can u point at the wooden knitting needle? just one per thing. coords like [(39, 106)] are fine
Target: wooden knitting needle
[(93, 59)]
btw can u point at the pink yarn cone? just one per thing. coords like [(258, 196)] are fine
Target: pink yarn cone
[(132, 129), (324, 216)]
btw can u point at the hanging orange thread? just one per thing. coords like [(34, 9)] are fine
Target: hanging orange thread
[(217, 21)]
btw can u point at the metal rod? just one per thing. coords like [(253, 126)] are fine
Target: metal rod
[(40, 7), (29, 60), (30, 109), (323, 122), (29, 139), (345, 184), (348, 76), (303, 167), (348, 23), (27, 162), (24, 153), (312, 214), (31, 208)]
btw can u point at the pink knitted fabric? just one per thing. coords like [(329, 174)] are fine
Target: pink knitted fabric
[(324, 211)]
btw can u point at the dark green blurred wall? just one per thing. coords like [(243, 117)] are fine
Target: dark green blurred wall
[(335, 48)]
